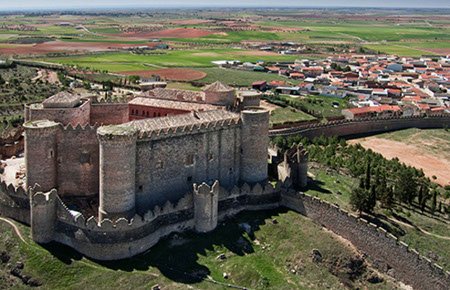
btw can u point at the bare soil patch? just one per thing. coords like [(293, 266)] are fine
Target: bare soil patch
[(411, 155), (168, 33), (172, 74), (61, 46)]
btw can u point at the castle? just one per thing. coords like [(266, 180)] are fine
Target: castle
[(110, 179)]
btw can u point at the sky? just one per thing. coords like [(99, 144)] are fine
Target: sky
[(46, 4)]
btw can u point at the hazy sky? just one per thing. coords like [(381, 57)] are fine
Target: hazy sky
[(26, 4)]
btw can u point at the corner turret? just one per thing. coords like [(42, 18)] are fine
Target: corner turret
[(206, 202), (40, 154)]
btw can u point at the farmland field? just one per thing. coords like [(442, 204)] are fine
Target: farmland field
[(116, 62)]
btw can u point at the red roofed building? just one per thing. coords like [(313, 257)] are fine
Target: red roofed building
[(378, 111)]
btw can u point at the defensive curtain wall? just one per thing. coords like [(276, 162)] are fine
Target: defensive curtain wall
[(201, 210), (366, 126)]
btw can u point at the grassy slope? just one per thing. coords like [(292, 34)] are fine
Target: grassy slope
[(336, 188), (262, 259)]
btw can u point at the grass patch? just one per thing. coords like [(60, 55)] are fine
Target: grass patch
[(288, 115), (268, 256), (237, 77)]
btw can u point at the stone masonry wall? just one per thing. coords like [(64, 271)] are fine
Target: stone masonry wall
[(76, 116), (383, 249), (109, 113), (124, 238), (365, 126), (14, 203), (166, 168), (78, 161)]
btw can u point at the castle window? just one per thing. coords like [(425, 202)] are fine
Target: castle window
[(189, 160), (189, 179), (132, 112), (210, 157), (85, 158), (51, 153), (160, 164), (154, 114), (141, 187)]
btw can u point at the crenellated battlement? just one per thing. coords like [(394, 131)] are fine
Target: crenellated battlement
[(187, 129), (370, 238)]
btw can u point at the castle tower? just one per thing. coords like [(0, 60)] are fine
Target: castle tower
[(40, 154), (219, 94), (206, 202), (117, 171), (302, 157), (255, 143), (43, 216), (295, 166)]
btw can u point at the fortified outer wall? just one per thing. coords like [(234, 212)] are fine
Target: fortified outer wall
[(52, 221), (14, 203), (109, 113), (367, 126), (74, 116), (383, 249), (124, 238)]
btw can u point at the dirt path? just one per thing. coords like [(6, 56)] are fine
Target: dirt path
[(15, 228), (431, 164)]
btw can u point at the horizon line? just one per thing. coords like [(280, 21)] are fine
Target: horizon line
[(195, 7)]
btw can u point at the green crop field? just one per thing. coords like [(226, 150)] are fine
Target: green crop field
[(116, 62)]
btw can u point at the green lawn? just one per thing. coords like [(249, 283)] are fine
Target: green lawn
[(270, 256), (288, 115)]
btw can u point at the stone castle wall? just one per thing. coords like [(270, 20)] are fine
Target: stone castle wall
[(66, 158), (74, 116), (109, 113), (77, 156), (344, 128), (168, 165), (111, 240), (51, 220), (14, 203), (384, 250)]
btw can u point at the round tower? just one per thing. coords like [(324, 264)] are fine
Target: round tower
[(40, 154), (254, 144), (219, 94), (117, 171)]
